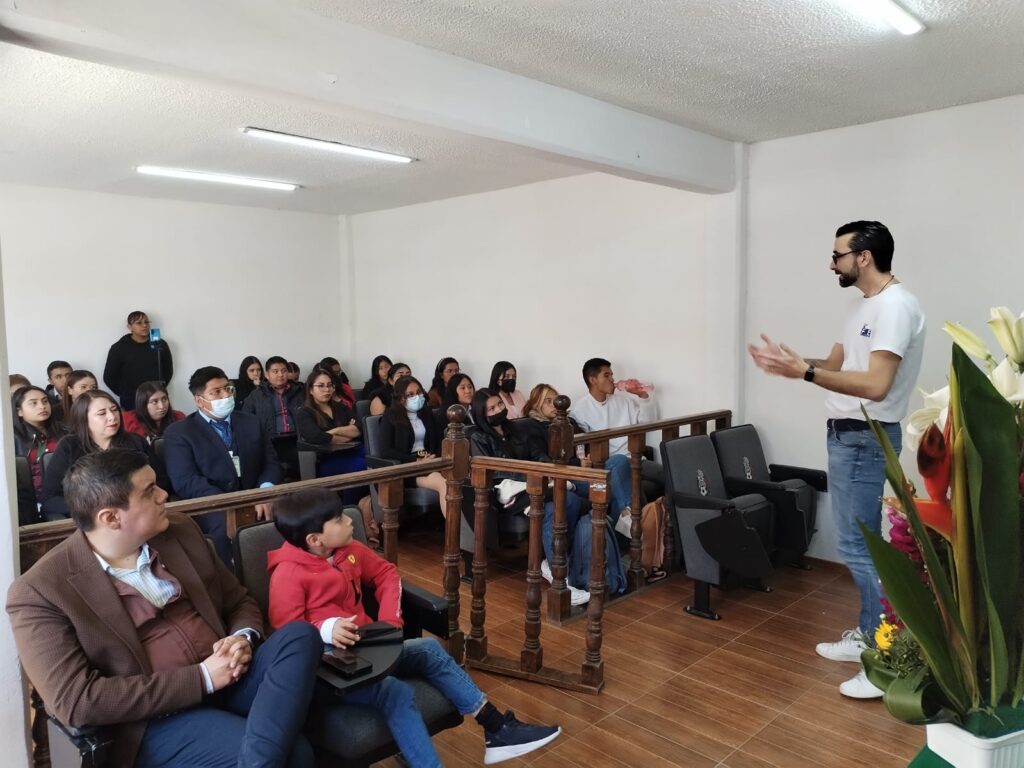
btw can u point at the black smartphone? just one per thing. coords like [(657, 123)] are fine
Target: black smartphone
[(345, 663), (379, 633)]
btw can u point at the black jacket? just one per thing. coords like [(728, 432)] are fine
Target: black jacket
[(130, 363), (396, 440), (309, 429), (275, 412)]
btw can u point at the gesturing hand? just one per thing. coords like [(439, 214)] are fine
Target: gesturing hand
[(777, 359)]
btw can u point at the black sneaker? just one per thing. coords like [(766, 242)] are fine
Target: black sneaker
[(514, 739)]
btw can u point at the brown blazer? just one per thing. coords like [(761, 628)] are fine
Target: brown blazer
[(80, 649)]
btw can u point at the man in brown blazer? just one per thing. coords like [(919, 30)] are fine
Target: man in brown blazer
[(133, 623)]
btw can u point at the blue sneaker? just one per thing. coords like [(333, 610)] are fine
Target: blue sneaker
[(514, 739)]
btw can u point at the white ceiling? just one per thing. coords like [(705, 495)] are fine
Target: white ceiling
[(78, 125), (741, 69)]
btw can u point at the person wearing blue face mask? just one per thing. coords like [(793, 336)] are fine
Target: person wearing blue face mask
[(409, 432)]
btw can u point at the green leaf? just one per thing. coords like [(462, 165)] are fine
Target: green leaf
[(913, 603)]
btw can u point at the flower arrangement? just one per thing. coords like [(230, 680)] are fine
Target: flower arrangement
[(952, 647)]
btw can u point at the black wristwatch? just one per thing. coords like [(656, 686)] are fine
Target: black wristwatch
[(251, 635), (809, 373)]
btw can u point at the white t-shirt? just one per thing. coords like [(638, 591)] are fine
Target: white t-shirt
[(419, 432), (619, 409), (893, 322)]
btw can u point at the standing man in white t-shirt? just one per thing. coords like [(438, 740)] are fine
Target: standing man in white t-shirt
[(876, 366)]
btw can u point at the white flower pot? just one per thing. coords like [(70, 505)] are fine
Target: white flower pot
[(965, 750)]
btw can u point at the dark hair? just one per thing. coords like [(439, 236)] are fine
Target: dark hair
[(55, 365), (399, 366), (374, 383), (438, 382), (203, 376), (499, 368), (145, 391), (479, 410), (135, 315), (275, 360), (329, 363), (243, 384), (24, 432), (396, 411), (17, 378), (293, 367), (322, 420), (451, 396), (78, 421), (73, 378), (871, 236), (100, 481), (301, 513), (593, 367)]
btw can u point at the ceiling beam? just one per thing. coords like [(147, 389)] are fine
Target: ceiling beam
[(273, 47)]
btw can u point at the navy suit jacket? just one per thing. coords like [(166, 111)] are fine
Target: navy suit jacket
[(198, 462)]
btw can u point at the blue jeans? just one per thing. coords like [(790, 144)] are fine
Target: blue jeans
[(856, 477), (255, 722), (424, 658), (572, 516), (621, 490)]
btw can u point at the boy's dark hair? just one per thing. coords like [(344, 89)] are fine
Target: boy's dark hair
[(871, 236), (98, 481), (593, 367), (300, 513), (55, 365), (135, 314), (202, 377), (275, 360)]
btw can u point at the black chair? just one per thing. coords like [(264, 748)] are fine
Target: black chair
[(353, 734), (722, 540), (28, 508), (287, 450), (792, 490), (362, 411), (417, 500)]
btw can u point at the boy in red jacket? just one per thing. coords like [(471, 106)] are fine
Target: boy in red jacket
[(318, 575)]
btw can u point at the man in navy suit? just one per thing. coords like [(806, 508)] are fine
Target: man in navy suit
[(216, 450)]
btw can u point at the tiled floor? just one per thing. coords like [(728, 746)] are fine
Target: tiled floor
[(744, 692)]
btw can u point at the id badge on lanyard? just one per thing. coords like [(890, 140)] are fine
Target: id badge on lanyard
[(237, 462)]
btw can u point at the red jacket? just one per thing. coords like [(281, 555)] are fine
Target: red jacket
[(305, 587), (131, 422)]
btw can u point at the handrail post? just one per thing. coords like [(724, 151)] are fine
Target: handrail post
[(531, 659), (476, 643), (635, 575), (560, 450), (669, 510), (599, 453), (391, 496), (455, 448), (592, 672)]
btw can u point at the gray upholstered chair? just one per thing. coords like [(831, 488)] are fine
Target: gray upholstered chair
[(792, 490), (722, 540)]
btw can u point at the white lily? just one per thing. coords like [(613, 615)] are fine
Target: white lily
[(1009, 332), (970, 343), (935, 411), (1008, 381)]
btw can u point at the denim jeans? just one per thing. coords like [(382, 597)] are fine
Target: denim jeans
[(621, 491), (425, 658), (856, 478), (255, 722)]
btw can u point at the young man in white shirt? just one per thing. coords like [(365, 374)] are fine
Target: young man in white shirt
[(876, 366)]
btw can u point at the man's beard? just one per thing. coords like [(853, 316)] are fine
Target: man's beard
[(846, 279)]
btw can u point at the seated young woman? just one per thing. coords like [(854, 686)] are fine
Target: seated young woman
[(445, 369), (36, 430), (380, 401), (77, 383), (458, 391), (378, 380), (250, 376), (94, 424), (408, 432), (503, 383), (342, 389), (153, 413)]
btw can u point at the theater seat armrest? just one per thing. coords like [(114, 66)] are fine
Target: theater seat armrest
[(423, 611), (780, 496), (696, 501), (816, 478), (92, 742)]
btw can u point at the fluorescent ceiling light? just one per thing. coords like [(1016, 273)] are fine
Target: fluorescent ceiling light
[(328, 146), (220, 178), (893, 14)]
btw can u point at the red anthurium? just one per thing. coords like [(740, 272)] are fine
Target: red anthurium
[(933, 462)]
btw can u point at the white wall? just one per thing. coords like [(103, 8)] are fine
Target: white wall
[(549, 274), (221, 282), (947, 183)]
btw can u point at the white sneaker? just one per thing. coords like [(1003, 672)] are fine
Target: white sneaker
[(545, 571), (846, 649), (859, 687), (578, 596)]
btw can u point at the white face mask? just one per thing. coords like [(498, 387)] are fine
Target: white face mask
[(222, 408), (415, 403)]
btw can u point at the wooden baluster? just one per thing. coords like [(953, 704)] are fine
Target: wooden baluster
[(725, 422), (391, 495), (599, 453), (560, 449), (531, 659), (699, 428), (635, 575), (456, 448), (476, 643), (592, 672), (670, 433)]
